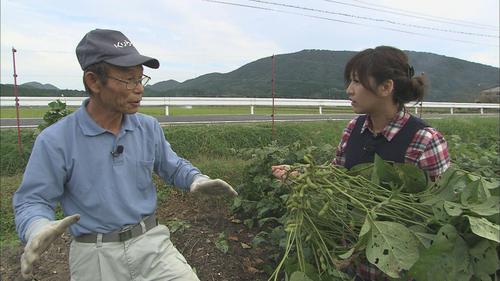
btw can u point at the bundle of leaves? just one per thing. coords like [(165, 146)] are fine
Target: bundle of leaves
[(389, 214), (261, 202)]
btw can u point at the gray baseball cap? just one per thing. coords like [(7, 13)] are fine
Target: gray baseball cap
[(111, 46)]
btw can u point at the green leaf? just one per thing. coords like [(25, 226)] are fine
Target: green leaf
[(422, 236), (445, 178), (261, 237), (414, 179), (249, 223), (484, 258), (299, 276), (439, 212), (449, 188), (221, 243), (177, 225), (473, 177), (347, 254), (484, 228), (364, 234), (309, 271), (364, 169), (494, 183), (490, 207), (385, 173), (446, 259), (391, 247), (263, 210), (365, 228), (474, 192), (237, 202), (453, 209), (268, 219)]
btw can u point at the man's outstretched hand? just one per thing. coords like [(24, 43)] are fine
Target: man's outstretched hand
[(212, 187), (40, 241)]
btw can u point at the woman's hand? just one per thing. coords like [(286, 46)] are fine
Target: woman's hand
[(282, 172)]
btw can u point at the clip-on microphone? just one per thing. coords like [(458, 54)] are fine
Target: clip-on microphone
[(118, 151)]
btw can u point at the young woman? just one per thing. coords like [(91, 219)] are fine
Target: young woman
[(379, 83)]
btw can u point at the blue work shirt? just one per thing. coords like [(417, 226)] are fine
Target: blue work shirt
[(71, 163)]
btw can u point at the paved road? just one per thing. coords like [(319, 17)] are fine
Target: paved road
[(168, 120)]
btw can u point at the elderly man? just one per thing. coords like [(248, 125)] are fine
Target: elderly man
[(97, 163)]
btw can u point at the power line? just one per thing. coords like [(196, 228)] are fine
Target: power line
[(347, 22), (424, 16), (375, 19), (275, 10)]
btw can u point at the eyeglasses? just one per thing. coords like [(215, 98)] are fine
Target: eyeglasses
[(132, 84)]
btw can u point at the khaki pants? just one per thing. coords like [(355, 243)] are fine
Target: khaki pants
[(151, 256)]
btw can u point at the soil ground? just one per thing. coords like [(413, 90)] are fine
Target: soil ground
[(197, 225)]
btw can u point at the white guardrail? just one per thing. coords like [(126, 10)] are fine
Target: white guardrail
[(252, 102)]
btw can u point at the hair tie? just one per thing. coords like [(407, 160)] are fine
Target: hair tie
[(410, 71)]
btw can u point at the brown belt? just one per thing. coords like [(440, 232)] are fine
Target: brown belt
[(120, 236)]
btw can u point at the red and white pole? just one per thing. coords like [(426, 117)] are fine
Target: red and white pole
[(273, 87), (19, 143)]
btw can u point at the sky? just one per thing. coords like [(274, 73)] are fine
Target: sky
[(195, 37)]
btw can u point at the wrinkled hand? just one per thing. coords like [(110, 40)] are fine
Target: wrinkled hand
[(41, 241), (281, 172), (212, 187)]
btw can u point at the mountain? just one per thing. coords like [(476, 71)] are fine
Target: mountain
[(319, 74), (37, 85), (453, 79), (163, 85), (8, 90), (316, 74), (306, 74), (489, 96)]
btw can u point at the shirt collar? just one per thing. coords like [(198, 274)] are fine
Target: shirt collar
[(392, 128), (91, 128)]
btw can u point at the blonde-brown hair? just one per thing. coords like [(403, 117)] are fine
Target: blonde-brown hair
[(387, 63)]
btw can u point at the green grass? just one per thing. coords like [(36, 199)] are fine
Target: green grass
[(222, 139), (8, 185), (24, 112), (471, 129), (230, 169)]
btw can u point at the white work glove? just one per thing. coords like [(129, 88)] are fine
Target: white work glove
[(204, 185), (40, 235)]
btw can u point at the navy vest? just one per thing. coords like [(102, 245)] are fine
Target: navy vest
[(361, 147)]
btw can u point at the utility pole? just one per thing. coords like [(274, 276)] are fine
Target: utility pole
[(273, 87), (19, 143)]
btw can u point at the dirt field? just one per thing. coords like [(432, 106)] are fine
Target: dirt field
[(202, 221)]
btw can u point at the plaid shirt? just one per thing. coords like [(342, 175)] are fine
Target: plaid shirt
[(428, 149)]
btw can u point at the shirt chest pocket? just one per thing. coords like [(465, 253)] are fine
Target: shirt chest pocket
[(144, 174)]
